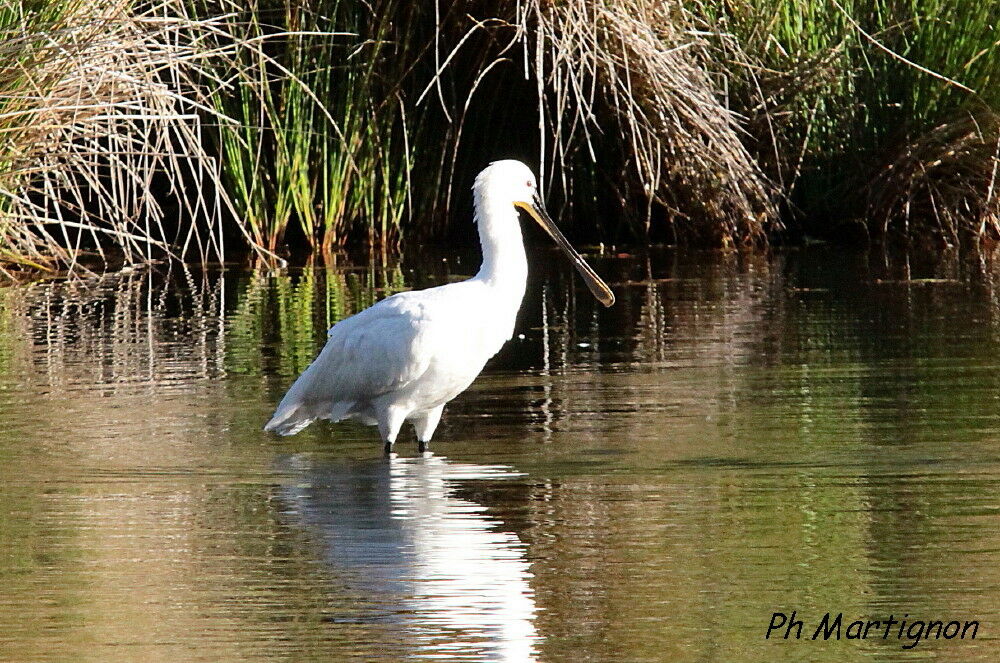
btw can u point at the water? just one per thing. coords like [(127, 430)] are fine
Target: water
[(739, 436)]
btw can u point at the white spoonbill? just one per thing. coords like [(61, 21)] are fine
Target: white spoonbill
[(409, 354)]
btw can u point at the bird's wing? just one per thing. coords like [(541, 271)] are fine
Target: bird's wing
[(379, 350)]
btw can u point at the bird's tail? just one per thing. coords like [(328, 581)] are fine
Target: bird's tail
[(289, 419)]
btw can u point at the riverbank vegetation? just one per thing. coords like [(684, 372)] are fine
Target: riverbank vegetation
[(204, 128)]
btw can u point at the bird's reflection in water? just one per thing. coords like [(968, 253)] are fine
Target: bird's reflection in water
[(438, 565)]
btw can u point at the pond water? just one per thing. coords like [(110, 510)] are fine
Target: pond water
[(741, 435)]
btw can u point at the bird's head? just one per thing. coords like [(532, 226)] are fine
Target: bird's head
[(511, 180), (507, 180)]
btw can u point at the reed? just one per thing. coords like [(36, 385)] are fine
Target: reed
[(939, 134), (686, 121), (879, 114), (365, 120), (321, 143), (628, 84), (135, 131), (100, 134)]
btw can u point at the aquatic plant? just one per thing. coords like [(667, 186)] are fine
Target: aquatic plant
[(321, 137), (175, 128), (377, 113), (878, 114), (628, 84), (100, 134)]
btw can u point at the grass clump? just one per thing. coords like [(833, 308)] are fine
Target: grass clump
[(321, 141), (100, 134), (628, 83), (172, 128), (878, 114)]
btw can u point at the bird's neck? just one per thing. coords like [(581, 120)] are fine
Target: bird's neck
[(505, 266)]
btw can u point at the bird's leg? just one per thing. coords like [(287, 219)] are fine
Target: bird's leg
[(425, 426), (389, 423)]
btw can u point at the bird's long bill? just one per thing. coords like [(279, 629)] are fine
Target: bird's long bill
[(590, 277)]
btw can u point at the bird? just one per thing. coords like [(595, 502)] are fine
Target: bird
[(402, 359)]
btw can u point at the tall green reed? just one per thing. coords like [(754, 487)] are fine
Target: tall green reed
[(338, 120), (322, 142), (879, 113)]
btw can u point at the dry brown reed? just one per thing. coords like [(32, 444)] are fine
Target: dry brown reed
[(946, 179), (100, 135), (629, 83)]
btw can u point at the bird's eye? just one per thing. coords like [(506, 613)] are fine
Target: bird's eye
[(529, 184)]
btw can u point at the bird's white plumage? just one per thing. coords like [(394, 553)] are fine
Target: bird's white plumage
[(412, 352), (409, 354)]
